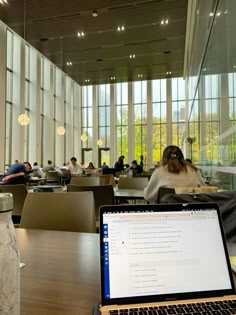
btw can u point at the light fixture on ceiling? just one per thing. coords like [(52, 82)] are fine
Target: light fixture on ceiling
[(120, 28), (80, 34), (164, 22), (211, 14), (87, 80), (3, 2), (113, 78), (140, 75), (83, 138), (69, 63), (218, 13), (100, 142), (226, 12), (168, 72), (94, 13), (131, 56), (23, 119), (61, 131), (234, 66)]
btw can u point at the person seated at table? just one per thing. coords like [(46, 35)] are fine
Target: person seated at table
[(135, 168), (173, 172), (48, 167), (74, 167), (104, 165), (36, 170), (18, 173), (119, 165), (90, 166)]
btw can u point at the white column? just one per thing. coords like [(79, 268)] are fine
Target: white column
[(95, 124), (168, 113), (149, 125), (130, 156), (113, 141), (18, 98), (3, 64)]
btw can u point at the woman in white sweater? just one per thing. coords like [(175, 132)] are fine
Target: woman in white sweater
[(174, 172)]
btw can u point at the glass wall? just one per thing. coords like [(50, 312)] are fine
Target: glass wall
[(212, 108)]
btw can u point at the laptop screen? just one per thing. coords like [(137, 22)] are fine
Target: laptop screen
[(150, 250)]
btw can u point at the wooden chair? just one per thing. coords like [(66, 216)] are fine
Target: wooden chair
[(132, 182), (73, 212), (103, 195), (83, 180), (19, 193)]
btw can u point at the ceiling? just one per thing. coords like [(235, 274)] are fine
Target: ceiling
[(103, 52)]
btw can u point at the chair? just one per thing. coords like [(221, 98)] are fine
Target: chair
[(226, 201), (132, 182), (84, 180), (19, 193), (107, 179), (103, 195), (72, 212), (164, 191), (53, 177)]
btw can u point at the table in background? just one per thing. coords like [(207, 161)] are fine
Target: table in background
[(48, 188), (61, 275), (129, 194)]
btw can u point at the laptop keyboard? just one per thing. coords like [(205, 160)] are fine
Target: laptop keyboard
[(204, 308)]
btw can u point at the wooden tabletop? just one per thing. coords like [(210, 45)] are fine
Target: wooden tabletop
[(129, 193), (61, 275)]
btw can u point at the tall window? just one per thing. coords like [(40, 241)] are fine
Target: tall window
[(212, 120), (121, 104), (232, 113), (9, 100), (140, 118), (178, 111), (159, 119), (104, 114), (87, 116)]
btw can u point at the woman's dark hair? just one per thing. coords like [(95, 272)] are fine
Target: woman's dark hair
[(174, 159)]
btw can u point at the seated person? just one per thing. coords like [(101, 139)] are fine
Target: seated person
[(18, 173), (173, 172), (48, 167), (136, 169), (91, 166)]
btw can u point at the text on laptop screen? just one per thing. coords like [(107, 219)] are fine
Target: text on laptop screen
[(151, 253)]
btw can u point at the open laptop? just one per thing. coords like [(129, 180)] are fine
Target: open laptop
[(164, 259)]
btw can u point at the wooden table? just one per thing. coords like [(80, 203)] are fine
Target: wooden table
[(62, 273), (129, 194), (48, 188)]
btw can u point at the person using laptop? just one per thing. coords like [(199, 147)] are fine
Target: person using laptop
[(175, 171)]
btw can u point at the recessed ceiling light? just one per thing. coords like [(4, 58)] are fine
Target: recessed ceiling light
[(113, 78), (87, 81), (168, 72), (226, 12), (211, 14), (234, 66), (131, 56), (80, 34), (120, 28), (94, 13), (166, 21), (3, 1), (69, 63), (140, 75), (218, 13)]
